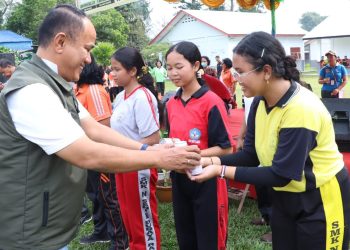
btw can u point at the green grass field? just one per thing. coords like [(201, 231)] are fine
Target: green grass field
[(242, 235)]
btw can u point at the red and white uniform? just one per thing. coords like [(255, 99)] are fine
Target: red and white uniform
[(200, 209), (136, 116)]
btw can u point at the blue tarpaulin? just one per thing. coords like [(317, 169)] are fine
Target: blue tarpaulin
[(13, 41)]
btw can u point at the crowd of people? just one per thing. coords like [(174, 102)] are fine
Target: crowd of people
[(345, 61), (63, 135)]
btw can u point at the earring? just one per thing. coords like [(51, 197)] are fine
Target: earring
[(267, 82)]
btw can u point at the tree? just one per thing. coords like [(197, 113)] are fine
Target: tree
[(151, 52), (190, 4), (5, 50), (25, 17), (310, 20), (111, 27), (137, 17), (5, 5), (103, 53)]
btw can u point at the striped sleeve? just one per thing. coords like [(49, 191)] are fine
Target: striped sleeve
[(99, 102)]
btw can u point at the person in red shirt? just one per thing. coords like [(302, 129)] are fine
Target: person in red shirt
[(227, 77), (198, 116)]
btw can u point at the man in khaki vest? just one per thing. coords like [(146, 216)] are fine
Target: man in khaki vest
[(45, 132)]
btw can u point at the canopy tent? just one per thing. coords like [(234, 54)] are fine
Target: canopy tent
[(13, 41)]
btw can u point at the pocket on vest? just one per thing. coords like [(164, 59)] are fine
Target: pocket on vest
[(45, 208)]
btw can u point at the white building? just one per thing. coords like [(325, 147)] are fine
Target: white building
[(218, 32), (331, 34)]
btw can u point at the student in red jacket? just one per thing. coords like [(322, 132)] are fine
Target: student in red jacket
[(198, 116)]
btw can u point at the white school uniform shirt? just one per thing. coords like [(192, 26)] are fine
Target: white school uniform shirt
[(133, 116)]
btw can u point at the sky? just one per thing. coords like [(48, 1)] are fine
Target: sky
[(162, 11)]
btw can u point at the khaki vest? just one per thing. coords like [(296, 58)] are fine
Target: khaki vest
[(40, 195)]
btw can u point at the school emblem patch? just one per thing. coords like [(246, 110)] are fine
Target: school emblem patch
[(195, 136)]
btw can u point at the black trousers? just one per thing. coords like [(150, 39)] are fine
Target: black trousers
[(327, 94), (161, 88), (114, 222), (263, 194), (92, 191), (198, 220), (101, 190), (313, 220)]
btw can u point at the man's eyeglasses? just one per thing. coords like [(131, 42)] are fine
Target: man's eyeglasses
[(239, 76)]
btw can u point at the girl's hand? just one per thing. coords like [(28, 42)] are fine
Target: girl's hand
[(206, 161), (208, 173)]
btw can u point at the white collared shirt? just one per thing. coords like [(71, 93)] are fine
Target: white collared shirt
[(39, 116)]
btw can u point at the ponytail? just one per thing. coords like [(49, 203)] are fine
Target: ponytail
[(291, 71)]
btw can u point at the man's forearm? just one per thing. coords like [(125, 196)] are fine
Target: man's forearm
[(89, 154), (104, 134)]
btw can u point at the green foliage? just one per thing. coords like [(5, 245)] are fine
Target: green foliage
[(25, 17), (103, 52), (5, 50), (17, 54), (111, 27), (137, 16), (151, 52), (5, 6), (310, 20), (190, 4)]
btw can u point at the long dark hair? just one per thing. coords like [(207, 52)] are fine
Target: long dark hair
[(260, 48), (129, 58), (190, 52), (91, 74)]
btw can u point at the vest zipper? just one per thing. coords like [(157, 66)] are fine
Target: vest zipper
[(45, 208)]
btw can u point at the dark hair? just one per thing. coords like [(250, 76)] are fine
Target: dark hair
[(227, 62), (91, 74), (130, 58), (261, 48), (190, 52), (206, 58), (5, 63), (62, 18)]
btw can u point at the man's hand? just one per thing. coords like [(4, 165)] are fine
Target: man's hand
[(335, 92), (178, 158), (157, 147)]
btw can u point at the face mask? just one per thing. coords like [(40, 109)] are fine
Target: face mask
[(204, 65)]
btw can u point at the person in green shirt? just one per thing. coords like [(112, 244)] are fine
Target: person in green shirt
[(159, 74)]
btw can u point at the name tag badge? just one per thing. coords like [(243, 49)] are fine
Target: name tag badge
[(332, 82)]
